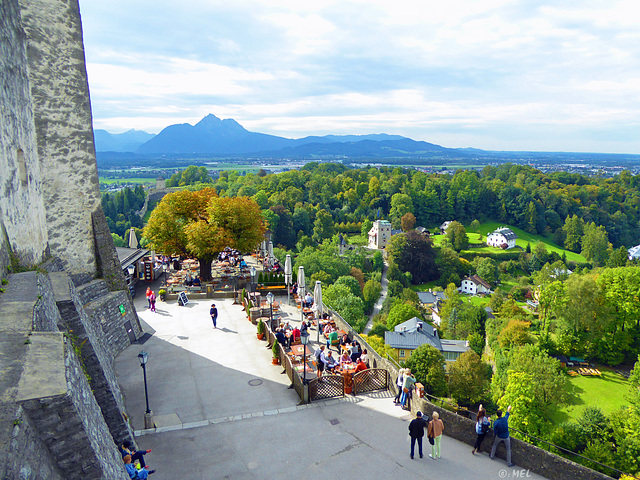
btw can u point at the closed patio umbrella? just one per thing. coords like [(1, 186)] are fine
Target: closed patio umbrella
[(317, 304), (288, 274), (133, 241), (270, 253), (301, 286)]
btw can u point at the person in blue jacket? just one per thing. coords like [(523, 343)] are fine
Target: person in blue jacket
[(501, 429)]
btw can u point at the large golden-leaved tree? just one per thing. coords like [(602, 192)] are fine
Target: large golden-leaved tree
[(200, 224)]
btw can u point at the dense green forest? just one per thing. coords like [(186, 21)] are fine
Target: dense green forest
[(515, 194), (120, 209)]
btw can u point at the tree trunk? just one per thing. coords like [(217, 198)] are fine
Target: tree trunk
[(205, 268)]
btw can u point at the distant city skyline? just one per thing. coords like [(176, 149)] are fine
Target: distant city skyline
[(496, 75)]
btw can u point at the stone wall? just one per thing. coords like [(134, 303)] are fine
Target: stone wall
[(63, 128), (108, 264), (22, 211), (46, 316), (65, 413)]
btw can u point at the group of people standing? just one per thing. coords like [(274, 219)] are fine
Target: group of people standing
[(405, 382), (151, 299), (435, 428)]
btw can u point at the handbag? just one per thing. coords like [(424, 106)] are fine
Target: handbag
[(430, 439), (405, 390)]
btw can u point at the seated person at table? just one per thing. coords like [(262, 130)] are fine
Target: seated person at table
[(196, 281), (295, 334), (328, 328), (188, 281), (294, 289), (344, 340), (243, 264), (345, 358), (308, 300), (354, 351), (365, 357), (330, 362), (360, 365), (332, 339), (282, 339)]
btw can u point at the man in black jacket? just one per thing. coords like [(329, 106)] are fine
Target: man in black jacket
[(416, 432)]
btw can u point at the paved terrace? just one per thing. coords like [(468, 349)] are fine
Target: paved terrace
[(224, 411)]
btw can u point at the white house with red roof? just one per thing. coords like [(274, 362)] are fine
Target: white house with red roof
[(473, 285)]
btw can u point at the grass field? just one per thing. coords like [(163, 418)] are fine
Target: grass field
[(523, 239), (606, 392), (109, 181)]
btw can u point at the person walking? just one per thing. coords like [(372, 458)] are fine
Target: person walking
[(436, 427), (152, 301), (214, 315), (482, 428), (416, 432), (501, 429), (148, 295)]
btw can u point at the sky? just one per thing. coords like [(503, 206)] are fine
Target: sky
[(562, 75)]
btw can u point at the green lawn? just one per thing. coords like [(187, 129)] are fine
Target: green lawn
[(606, 392), (523, 238)]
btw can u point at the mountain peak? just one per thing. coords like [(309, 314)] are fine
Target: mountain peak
[(209, 121)]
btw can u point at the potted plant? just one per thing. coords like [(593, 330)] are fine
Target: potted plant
[(261, 329), (276, 352), (163, 294)]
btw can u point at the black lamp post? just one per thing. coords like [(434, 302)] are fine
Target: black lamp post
[(143, 357), (304, 340), (253, 278)]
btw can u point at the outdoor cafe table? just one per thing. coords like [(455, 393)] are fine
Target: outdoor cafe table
[(309, 368), (347, 372), (298, 350)]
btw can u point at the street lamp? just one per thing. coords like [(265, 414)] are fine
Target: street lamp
[(143, 357), (270, 301), (304, 340)]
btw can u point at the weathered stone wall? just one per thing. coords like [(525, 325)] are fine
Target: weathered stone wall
[(63, 128), (64, 411), (109, 266), (22, 211), (97, 356), (46, 316)]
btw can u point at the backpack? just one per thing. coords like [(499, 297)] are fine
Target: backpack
[(484, 427)]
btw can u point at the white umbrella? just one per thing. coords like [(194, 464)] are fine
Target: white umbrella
[(301, 286), (317, 298), (317, 304), (288, 273), (270, 254), (133, 241)]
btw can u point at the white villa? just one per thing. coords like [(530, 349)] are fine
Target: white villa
[(502, 236), (473, 285)]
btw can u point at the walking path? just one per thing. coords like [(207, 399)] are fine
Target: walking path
[(224, 411), (378, 305)]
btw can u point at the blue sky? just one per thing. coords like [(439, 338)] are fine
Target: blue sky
[(492, 74)]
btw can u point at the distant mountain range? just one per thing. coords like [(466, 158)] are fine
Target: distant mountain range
[(212, 136), (120, 142)]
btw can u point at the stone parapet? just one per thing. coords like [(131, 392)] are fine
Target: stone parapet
[(57, 399)]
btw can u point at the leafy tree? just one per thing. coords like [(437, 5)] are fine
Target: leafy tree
[(189, 176), (414, 253), (520, 394), (401, 312), (469, 378), (487, 269), (427, 364), (366, 226), (370, 294), (351, 283), (476, 343), (515, 333), (201, 224), (349, 306), (407, 222), (378, 261), (475, 226), (401, 204), (323, 226), (595, 244), (573, 230), (457, 236), (618, 257)]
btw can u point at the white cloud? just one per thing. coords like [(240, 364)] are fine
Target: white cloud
[(409, 67)]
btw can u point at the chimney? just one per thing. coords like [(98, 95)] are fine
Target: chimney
[(419, 326)]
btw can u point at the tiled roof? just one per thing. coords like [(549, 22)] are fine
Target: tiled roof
[(506, 232), (431, 297), (478, 281)]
